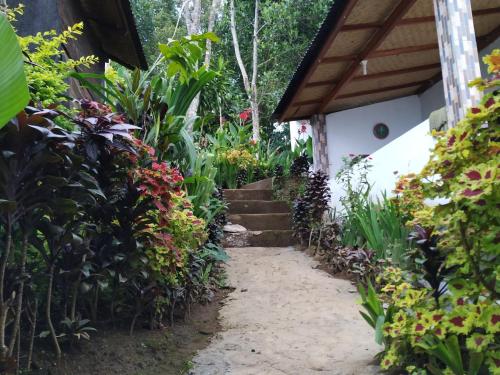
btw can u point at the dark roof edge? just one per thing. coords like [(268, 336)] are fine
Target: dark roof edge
[(311, 55), (129, 15)]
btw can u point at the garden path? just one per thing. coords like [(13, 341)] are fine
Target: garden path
[(287, 317)]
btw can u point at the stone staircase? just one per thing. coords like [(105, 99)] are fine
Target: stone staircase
[(267, 222)]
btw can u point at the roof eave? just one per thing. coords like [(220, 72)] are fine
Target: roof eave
[(332, 18)]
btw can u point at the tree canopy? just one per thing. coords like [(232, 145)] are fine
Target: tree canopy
[(286, 28)]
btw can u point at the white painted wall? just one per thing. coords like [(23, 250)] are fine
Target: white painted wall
[(351, 131), (406, 150), (407, 154), (432, 99)]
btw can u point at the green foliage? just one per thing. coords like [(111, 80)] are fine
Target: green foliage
[(378, 226), (445, 305), (158, 102), (287, 31), (49, 68), (14, 93)]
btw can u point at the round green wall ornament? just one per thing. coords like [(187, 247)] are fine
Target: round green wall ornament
[(381, 131)]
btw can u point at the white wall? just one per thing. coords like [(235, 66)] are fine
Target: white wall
[(351, 131), (432, 99), (407, 154)]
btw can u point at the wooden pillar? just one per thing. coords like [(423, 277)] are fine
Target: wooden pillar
[(459, 56), (320, 146)]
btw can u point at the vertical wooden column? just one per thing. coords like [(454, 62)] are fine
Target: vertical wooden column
[(320, 146), (459, 56)]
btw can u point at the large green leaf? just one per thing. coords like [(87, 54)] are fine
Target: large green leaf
[(14, 93)]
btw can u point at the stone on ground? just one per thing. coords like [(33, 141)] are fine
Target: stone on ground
[(286, 317), (234, 228)]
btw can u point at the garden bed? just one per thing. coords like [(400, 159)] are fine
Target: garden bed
[(147, 352)]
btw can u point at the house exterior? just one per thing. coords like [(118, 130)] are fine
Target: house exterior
[(110, 32), (374, 74)]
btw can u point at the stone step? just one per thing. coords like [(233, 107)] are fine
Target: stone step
[(258, 207), (265, 238), (262, 221), (266, 184), (248, 195)]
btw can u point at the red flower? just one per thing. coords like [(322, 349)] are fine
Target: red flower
[(475, 110), (245, 115)]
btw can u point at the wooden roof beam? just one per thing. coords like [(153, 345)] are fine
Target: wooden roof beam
[(482, 42), (382, 89), (388, 73), (427, 19), (306, 102), (338, 27), (412, 20), (381, 53), (372, 45)]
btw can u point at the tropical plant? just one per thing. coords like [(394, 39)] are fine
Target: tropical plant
[(14, 95), (445, 308), (158, 103), (48, 68)]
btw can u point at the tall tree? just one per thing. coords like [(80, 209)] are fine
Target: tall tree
[(214, 10), (250, 86)]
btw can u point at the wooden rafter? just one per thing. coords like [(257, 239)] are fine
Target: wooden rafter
[(381, 89), (306, 102), (338, 27), (403, 50), (413, 20), (388, 73), (382, 53), (372, 45), (482, 42), (427, 19)]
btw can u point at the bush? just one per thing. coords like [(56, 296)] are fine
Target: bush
[(444, 313)]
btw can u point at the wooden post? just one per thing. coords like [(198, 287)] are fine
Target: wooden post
[(320, 146), (459, 56)]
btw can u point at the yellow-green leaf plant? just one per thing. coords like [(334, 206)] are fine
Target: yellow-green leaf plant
[(446, 312)]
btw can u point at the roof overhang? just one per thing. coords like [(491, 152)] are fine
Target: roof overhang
[(397, 38), (113, 26)]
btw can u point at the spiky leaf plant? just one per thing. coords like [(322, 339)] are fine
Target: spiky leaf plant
[(300, 166), (317, 195), (278, 171), (241, 178), (300, 219)]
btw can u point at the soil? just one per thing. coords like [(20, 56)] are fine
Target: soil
[(287, 317), (147, 352)]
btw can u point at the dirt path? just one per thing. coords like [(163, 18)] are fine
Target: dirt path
[(287, 318)]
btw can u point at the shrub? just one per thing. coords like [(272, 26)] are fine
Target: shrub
[(445, 313)]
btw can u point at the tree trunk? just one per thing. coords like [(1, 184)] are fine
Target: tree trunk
[(32, 335), (4, 307), (250, 88), (192, 16), (210, 28), (20, 295), (48, 312), (254, 99)]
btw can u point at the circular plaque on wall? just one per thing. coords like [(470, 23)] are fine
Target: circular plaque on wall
[(381, 131)]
